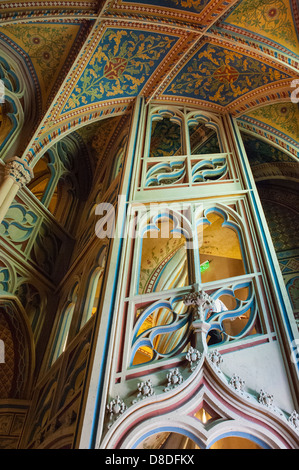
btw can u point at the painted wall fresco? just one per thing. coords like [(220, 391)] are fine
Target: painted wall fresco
[(219, 75)]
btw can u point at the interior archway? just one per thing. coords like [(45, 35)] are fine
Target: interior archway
[(175, 440), (235, 442)]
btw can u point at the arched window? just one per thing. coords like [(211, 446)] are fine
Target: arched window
[(220, 246), (63, 200), (7, 121), (62, 178), (163, 257), (94, 287), (93, 294), (43, 175), (160, 330), (64, 324), (31, 300), (12, 84), (119, 157), (166, 137), (203, 136)]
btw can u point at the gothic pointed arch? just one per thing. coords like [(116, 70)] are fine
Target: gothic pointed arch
[(18, 115), (19, 353), (232, 412)]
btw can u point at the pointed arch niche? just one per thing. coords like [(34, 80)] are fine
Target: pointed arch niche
[(204, 412), (16, 371), (220, 244), (163, 260)]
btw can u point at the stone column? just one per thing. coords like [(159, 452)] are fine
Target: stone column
[(17, 174)]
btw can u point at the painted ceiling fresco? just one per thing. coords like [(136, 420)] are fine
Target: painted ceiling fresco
[(46, 45), (260, 152), (279, 122), (120, 65), (221, 75), (192, 6), (93, 58), (281, 116), (271, 19)]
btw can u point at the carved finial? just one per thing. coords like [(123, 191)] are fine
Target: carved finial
[(145, 390), (215, 357), (201, 301)]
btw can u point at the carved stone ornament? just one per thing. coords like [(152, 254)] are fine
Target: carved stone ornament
[(294, 419), (215, 357), (18, 169), (201, 301), (193, 356), (174, 378), (265, 398), (115, 408), (237, 383), (145, 390)]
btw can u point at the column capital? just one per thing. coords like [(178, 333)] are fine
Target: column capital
[(18, 170)]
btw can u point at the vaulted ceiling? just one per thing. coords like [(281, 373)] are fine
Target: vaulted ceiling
[(91, 59)]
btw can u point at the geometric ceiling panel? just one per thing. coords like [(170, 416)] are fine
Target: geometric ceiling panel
[(220, 75), (120, 66), (273, 20)]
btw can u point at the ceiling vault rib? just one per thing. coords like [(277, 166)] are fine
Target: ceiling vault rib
[(188, 52), (207, 35)]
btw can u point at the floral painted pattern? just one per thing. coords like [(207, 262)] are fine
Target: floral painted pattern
[(282, 116), (269, 18), (120, 66), (260, 152), (221, 76), (194, 6), (46, 46)]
